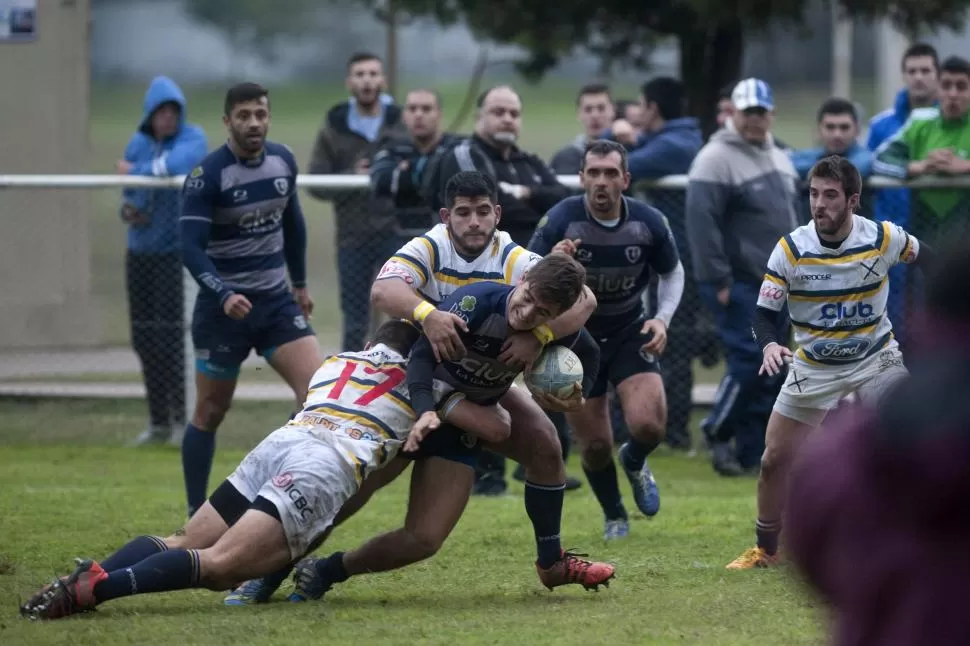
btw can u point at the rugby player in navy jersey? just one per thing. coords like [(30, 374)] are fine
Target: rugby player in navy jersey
[(242, 229), (621, 243)]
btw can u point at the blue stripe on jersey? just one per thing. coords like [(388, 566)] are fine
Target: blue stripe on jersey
[(507, 250), (247, 264), (480, 275)]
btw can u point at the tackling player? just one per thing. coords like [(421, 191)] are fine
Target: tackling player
[(242, 228), (834, 275), (620, 242), (466, 248), (287, 491)]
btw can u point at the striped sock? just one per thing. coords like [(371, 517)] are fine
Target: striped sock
[(134, 551), (162, 572)]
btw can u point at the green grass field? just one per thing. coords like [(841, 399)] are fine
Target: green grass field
[(69, 489)]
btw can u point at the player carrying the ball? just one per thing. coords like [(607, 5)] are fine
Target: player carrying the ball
[(834, 275), (286, 493), (621, 243), (466, 248)]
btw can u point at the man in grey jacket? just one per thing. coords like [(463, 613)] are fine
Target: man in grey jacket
[(740, 202)]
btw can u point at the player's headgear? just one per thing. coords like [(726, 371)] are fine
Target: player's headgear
[(752, 93)]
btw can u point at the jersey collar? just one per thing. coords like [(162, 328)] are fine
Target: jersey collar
[(252, 162), (624, 213)]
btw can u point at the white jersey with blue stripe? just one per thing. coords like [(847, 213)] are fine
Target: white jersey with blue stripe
[(431, 264), (361, 398), (837, 296)]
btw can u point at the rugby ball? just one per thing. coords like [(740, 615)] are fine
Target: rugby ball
[(555, 372)]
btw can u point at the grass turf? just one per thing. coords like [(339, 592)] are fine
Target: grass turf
[(69, 489)]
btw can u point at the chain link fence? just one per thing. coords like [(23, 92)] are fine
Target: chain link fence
[(135, 303)]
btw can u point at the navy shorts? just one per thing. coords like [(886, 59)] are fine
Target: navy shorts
[(448, 442), (222, 344), (621, 357)]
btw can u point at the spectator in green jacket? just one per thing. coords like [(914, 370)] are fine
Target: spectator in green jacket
[(935, 141)]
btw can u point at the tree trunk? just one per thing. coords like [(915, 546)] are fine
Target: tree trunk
[(710, 58)]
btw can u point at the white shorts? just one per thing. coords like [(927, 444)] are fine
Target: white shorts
[(811, 391), (304, 475)]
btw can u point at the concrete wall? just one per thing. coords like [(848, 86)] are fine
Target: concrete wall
[(44, 234)]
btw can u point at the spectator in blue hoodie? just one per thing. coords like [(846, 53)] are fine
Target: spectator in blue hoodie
[(921, 74), (667, 145), (838, 132), (164, 145)]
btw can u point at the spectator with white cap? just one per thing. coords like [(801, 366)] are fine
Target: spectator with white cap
[(740, 202)]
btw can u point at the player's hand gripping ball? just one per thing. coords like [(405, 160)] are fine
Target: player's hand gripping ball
[(555, 373)]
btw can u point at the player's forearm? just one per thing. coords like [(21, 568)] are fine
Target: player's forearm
[(765, 326), (670, 289), (421, 367), (490, 423), (294, 245), (194, 236), (397, 299), (573, 319)]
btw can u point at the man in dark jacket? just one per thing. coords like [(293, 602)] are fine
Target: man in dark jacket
[(594, 110), (397, 174), (366, 234), (528, 188)]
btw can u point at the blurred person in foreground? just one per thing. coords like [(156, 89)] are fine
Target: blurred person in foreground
[(243, 235), (832, 275), (920, 67), (397, 173), (366, 231), (629, 110), (882, 536), (527, 189), (838, 132), (667, 143), (594, 110), (164, 145), (740, 201)]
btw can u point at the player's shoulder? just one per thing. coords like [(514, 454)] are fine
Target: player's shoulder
[(208, 174), (217, 159), (801, 240), (278, 149), (483, 296), (436, 236), (643, 212), (566, 210)]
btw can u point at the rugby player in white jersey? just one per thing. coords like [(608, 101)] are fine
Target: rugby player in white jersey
[(467, 247), (833, 275), (285, 494)]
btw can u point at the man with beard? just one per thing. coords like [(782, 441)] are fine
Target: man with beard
[(241, 229), (367, 233), (527, 189), (620, 242), (833, 273)]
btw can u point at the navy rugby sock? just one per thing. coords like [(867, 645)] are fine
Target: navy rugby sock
[(606, 488), (135, 550), (636, 453), (543, 504), (198, 449), (163, 572), (332, 568)]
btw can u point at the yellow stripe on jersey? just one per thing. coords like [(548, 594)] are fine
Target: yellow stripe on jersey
[(833, 296), (421, 271), (886, 233), (788, 251), (360, 386), (906, 249), (775, 280), (495, 245), (510, 263), (431, 252)]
